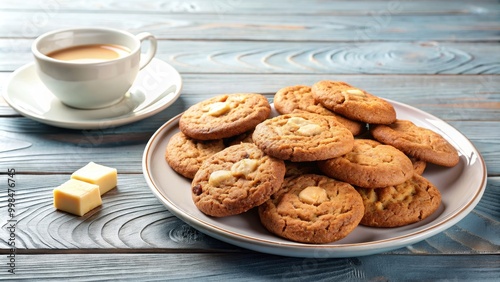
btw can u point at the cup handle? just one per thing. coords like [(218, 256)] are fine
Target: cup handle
[(152, 48)]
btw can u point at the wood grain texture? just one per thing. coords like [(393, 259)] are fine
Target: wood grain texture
[(280, 7), (469, 103), (438, 56), (386, 24), (129, 218), (450, 97), (252, 267), (359, 57), (132, 219)]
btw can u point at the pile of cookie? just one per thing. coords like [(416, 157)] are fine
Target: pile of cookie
[(335, 157)]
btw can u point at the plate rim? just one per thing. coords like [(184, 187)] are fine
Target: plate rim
[(146, 112), (319, 250)]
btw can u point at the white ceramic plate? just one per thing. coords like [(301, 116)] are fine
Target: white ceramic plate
[(461, 187), (156, 87)]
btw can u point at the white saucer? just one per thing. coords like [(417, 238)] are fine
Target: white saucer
[(157, 86)]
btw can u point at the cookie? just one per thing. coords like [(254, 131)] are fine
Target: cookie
[(300, 99), (418, 165), (240, 138), (399, 205), (300, 137), (370, 164), (235, 180), (312, 209), (224, 116), (353, 103), (185, 155), (418, 142)]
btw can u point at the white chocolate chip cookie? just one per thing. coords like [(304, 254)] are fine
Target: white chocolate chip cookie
[(235, 180), (224, 116), (313, 209), (300, 137)]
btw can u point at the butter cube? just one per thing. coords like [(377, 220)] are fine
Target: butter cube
[(105, 177), (77, 197)]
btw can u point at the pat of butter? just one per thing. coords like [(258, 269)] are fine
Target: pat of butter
[(77, 197), (105, 177), (218, 109)]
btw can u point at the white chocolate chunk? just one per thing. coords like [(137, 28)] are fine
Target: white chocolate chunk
[(244, 167), (219, 176), (238, 98), (218, 108), (297, 121), (105, 177), (313, 195), (355, 92), (77, 197), (303, 126), (309, 130)]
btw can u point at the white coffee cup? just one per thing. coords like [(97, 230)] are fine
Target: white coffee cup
[(91, 84)]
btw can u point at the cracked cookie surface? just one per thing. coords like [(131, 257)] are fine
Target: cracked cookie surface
[(299, 98), (185, 155), (353, 102), (302, 137), (224, 116), (418, 165), (418, 142), (370, 164), (399, 205), (312, 209), (235, 180)]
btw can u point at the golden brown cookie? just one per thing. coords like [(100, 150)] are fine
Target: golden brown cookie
[(300, 99), (235, 180), (300, 137), (418, 165), (312, 209), (418, 142), (370, 164), (185, 155), (240, 138), (224, 116), (353, 103), (399, 205)]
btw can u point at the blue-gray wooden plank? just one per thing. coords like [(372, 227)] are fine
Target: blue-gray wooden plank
[(252, 267)]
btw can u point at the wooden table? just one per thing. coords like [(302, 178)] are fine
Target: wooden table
[(439, 56)]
